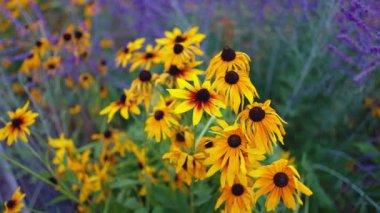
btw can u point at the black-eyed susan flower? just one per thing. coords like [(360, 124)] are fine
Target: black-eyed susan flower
[(182, 137), (198, 97), (75, 109), (53, 64), (127, 102), (15, 204), (204, 144), (262, 125), (64, 147), (186, 165), (234, 85), (41, 47), (179, 54), (144, 60), (103, 91), (143, 84), (238, 198), (228, 153), (86, 80), (190, 37), (124, 55), (159, 123), (21, 119), (184, 71), (31, 63), (108, 136), (102, 67), (280, 180), (226, 60)]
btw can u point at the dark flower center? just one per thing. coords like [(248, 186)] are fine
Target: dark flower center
[(167, 103), (103, 62), (180, 39), (203, 95), (16, 122), (78, 34), (209, 144), (145, 75), (228, 54), (107, 134), (126, 50), (29, 79), (140, 165), (149, 55), (178, 48), (184, 166), (122, 98), (51, 66), (67, 36), (237, 189), (234, 141), (256, 114), (11, 204), (38, 43), (30, 56), (281, 179), (85, 78), (173, 70), (180, 136), (53, 180), (231, 77), (158, 115)]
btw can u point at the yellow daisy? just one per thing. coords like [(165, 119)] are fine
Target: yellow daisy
[(179, 54), (159, 123), (127, 102), (238, 198), (280, 180), (198, 97), (191, 37), (262, 125), (182, 137), (142, 85), (144, 60), (21, 119), (31, 63), (86, 80), (234, 85), (52, 65), (226, 60), (42, 46), (15, 204), (184, 71), (124, 55)]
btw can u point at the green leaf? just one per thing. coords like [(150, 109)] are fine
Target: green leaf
[(57, 200), (124, 183)]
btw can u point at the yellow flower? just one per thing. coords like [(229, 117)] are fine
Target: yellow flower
[(238, 198), (42, 46), (108, 136), (230, 154), (31, 63), (234, 85), (182, 137), (75, 109), (262, 125), (102, 67), (187, 166), (159, 123), (53, 64), (21, 119), (64, 148), (184, 71), (179, 54), (127, 102), (142, 85), (15, 204), (106, 43), (144, 60), (124, 55), (226, 60), (280, 180), (190, 37), (86, 80), (197, 97)]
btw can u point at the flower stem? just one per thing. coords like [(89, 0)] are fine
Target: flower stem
[(209, 122)]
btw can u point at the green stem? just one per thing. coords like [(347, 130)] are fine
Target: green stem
[(209, 122), (37, 176), (347, 181)]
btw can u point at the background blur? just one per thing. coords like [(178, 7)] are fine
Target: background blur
[(317, 60)]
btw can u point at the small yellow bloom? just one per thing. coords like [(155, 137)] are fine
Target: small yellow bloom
[(15, 204)]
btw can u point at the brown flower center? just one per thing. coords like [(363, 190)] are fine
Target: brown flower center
[(178, 48), (158, 115), (209, 144), (203, 95), (107, 134), (11, 204), (38, 43), (180, 136), (16, 123), (78, 34), (228, 54), (122, 98), (280, 179), (149, 55), (256, 114), (231, 77), (237, 189), (180, 39), (173, 70), (145, 75), (67, 36), (234, 140)]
